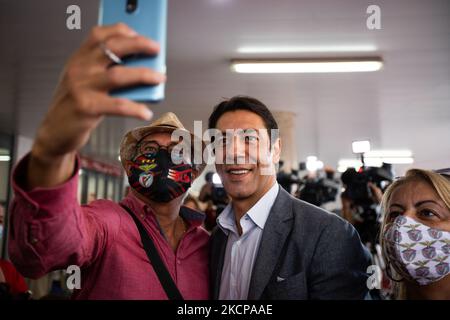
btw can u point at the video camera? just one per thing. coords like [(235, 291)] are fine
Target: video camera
[(319, 191), (357, 183), (218, 194), (364, 204)]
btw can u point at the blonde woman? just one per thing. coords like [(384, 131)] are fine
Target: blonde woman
[(416, 234)]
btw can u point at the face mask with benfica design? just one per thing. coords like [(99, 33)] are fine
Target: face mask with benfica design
[(417, 252), (156, 177)]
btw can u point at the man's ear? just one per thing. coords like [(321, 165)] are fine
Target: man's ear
[(127, 167), (276, 151)]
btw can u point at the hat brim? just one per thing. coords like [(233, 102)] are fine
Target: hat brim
[(133, 137)]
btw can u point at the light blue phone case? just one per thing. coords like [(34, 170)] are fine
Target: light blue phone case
[(150, 20)]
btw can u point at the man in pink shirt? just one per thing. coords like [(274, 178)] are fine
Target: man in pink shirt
[(50, 230)]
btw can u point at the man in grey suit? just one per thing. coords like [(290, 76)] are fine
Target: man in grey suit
[(268, 244)]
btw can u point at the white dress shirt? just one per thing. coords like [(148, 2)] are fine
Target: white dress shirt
[(241, 251)]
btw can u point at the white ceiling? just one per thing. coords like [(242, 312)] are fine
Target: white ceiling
[(406, 105)]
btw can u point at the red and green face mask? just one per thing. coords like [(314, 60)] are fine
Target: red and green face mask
[(156, 177)]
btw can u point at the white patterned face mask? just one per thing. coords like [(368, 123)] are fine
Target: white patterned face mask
[(416, 251)]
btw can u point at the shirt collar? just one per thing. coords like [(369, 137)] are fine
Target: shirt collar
[(226, 220), (258, 213)]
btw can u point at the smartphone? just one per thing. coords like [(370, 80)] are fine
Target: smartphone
[(148, 18)]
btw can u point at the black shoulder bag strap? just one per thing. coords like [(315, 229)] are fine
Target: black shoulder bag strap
[(158, 265)]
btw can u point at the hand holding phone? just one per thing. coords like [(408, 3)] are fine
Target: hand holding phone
[(82, 99)]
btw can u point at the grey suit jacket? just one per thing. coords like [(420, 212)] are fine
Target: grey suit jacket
[(318, 254)]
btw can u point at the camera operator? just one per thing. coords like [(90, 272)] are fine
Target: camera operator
[(348, 210), (361, 200)]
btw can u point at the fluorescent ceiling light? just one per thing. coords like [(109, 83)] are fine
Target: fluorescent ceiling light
[(378, 162), (308, 49), (344, 164), (350, 163), (361, 146), (399, 160), (5, 158), (220, 1), (373, 162), (306, 65), (388, 153), (389, 156)]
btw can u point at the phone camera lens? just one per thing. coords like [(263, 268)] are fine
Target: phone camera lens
[(131, 6)]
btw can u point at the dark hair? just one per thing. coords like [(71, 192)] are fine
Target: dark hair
[(243, 103)]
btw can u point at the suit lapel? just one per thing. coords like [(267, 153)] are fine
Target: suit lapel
[(275, 232), (218, 247)]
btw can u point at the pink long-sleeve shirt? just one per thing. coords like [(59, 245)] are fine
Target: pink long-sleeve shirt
[(50, 231)]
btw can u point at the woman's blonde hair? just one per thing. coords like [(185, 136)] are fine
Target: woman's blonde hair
[(440, 183)]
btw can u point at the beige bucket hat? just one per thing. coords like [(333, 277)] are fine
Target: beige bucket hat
[(168, 122)]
